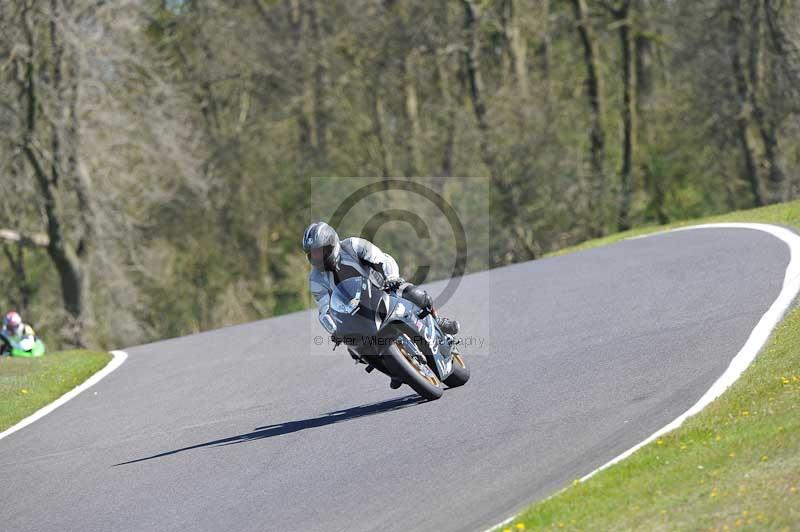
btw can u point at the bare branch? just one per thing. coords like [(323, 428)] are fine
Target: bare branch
[(38, 240)]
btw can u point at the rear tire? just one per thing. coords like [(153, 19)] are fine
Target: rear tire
[(460, 374), (404, 367)]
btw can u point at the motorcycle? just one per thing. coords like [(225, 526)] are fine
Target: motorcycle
[(24, 347), (393, 335)]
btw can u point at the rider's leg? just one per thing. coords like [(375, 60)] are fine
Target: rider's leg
[(421, 298)]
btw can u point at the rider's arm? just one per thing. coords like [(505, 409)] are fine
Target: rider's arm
[(377, 259), (323, 300), (321, 296)]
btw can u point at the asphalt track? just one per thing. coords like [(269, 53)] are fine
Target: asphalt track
[(255, 427)]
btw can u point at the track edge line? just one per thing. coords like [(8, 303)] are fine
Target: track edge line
[(118, 357), (741, 361)]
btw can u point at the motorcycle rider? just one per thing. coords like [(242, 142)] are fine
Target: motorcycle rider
[(333, 261), (13, 327)]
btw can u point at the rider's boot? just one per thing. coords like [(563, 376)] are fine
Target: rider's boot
[(447, 326), (395, 383)]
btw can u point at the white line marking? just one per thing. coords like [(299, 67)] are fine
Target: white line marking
[(758, 337), (114, 363)]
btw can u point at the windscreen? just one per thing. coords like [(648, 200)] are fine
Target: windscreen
[(346, 296)]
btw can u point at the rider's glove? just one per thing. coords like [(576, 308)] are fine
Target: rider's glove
[(393, 283)]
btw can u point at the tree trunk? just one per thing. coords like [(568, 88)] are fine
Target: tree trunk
[(61, 175), (743, 88), (597, 196), (320, 80), (16, 261), (776, 179), (628, 114), (516, 47), (782, 45), (443, 72), (546, 43), (414, 137), (379, 130), (296, 18), (545, 53), (472, 57)]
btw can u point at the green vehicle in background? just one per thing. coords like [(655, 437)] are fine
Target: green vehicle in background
[(21, 347)]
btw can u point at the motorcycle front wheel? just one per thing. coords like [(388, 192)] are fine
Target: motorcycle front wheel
[(460, 374), (405, 366)]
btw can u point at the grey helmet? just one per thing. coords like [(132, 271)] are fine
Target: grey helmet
[(321, 236)]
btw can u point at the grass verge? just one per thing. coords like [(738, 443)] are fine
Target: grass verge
[(735, 465), (28, 384)]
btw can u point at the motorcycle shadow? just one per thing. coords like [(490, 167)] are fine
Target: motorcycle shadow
[(279, 429)]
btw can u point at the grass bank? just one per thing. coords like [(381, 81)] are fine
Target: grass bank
[(28, 384), (736, 465)]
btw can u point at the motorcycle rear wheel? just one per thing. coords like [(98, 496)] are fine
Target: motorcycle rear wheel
[(408, 369)]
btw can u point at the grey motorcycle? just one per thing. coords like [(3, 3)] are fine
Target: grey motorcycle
[(393, 335)]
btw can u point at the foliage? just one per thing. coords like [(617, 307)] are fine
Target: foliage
[(198, 127)]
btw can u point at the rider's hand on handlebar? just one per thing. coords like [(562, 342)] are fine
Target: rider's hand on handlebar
[(393, 284)]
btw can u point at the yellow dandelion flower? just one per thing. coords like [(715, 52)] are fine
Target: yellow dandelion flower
[(764, 458), (738, 522), (713, 493), (520, 526), (718, 437), (560, 525), (784, 380), (23, 391), (793, 489), (576, 482), (506, 530), (744, 413), (659, 442), (683, 446), (744, 513), (732, 455)]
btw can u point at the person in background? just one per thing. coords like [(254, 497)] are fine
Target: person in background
[(14, 328)]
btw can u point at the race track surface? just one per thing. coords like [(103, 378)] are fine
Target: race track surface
[(254, 427)]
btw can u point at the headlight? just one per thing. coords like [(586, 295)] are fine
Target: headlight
[(328, 323)]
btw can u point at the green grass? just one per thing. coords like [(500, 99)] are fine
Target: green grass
[(28, 384), (736, 465)]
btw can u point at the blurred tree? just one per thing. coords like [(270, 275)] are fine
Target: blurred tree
[(156, 156)]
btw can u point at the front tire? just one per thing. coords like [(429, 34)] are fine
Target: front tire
[(408, 369), (460, 374)]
